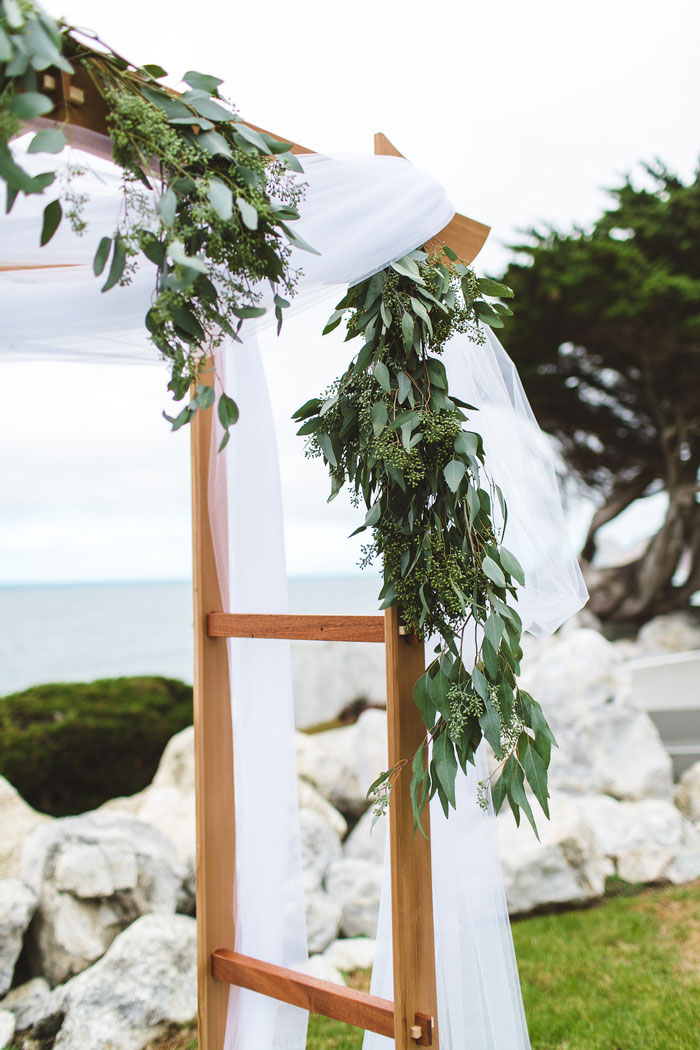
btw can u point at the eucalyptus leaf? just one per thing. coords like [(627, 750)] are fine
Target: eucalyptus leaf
[(13, 14), (511, 565), (221, 199), (30, 104), (493, 571), (381, 374), (453, 473), (380, 416), (101, 255), (407, 329), (166, 206), (446, 765), (5, 46), (48, 140), (327, 447), (117, 265), (200, 80), (495, 289), (53, 213)]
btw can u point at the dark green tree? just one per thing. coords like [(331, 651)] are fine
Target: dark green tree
[(606, 336)]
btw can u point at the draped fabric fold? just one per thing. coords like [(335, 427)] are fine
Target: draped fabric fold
[(360, 214)]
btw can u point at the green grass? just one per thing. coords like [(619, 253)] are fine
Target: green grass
[(624, 975), (621, 976)]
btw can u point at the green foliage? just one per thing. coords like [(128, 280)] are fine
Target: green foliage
[(68, 748), (390, 429), (218, 234)]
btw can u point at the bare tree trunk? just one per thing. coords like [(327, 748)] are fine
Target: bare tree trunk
[(644, 588)]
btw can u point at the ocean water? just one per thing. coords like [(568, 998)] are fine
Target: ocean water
[(79, 632)]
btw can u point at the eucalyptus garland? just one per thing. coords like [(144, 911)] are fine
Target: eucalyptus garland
[(218, 234), (390, 429)]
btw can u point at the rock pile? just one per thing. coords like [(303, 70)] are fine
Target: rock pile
[(97, 942)]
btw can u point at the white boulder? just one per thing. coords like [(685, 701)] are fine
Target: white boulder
[(342, 763), (30, 1002), (320, 846), (17, 820), (351, 953), (7, 1028), (323, 915), (310, 798), (93, 874), (607, 745), (145, 982), (672, 633), (17, 905), (356, 886), (687, 794), (366, 842), (649, 840), (320, 967), (565, 867)]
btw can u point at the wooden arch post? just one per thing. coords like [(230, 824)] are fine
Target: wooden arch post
[(411, 1019)]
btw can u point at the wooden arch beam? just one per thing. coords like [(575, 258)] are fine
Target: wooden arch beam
[(465, 236)]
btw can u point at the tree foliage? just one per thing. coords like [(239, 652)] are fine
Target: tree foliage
[(607, 339)]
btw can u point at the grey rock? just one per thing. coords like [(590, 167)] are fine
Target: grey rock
[(351, 953), (320, 846), (17, 820), (323, 915), (607, 745), (30, 1002), (7, 1028), (366, 842), (17, 905), (672, 633), (310, 798), (356, 886), (93, 874), (649, 840), (145, 982), (565, 867), (319, 966), (342, 763), (687, 794)]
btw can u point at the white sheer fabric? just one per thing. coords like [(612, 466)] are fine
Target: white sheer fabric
[(270, 922), (479, 1001), (520, 460), (360, 214)]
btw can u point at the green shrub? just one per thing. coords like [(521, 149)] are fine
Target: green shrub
[(69, 747)]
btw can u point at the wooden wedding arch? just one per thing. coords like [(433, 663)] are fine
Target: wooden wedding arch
[(411, 1019)]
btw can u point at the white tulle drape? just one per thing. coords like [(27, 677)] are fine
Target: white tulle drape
[(360, 214)]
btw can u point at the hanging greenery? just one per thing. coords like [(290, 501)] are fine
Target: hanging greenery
[(206, 199), (207, 202), (391, 430)]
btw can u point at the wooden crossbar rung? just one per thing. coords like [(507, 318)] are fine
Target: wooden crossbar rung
[(310, 993), (309, 628)]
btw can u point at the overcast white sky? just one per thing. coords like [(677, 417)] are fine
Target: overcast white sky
[(524, 110)]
